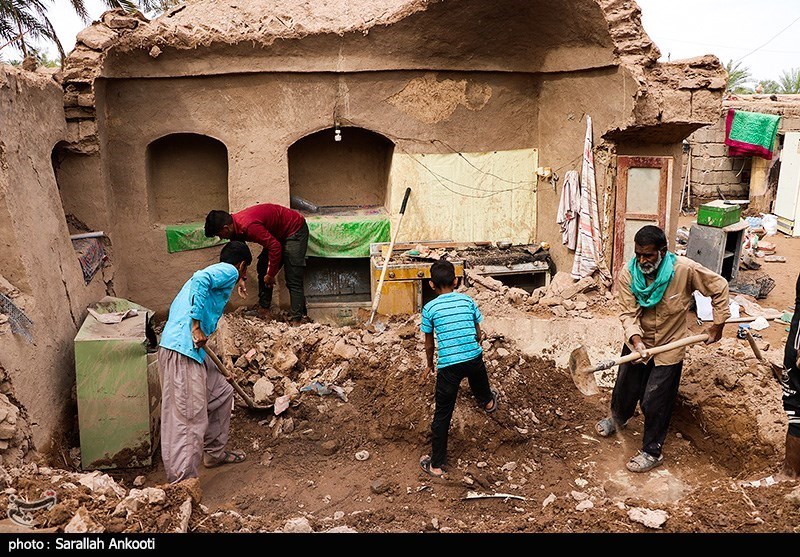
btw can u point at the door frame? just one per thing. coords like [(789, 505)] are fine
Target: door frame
[(621, 215)]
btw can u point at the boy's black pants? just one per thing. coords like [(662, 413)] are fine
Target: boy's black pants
[(448, 380), (294, 266), (655, 388)]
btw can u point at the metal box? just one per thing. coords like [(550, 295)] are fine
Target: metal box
[(405, 287), (719, 214), (118, 388), (717, 249)]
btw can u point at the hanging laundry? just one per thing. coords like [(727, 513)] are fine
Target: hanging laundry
[(568, 209), (750, 134), (589, 251)]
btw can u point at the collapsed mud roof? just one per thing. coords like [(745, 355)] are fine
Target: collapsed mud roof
[(208, 37)]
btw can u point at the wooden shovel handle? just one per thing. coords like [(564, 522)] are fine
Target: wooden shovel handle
[(753, 345), (229, 376), (633, 356)]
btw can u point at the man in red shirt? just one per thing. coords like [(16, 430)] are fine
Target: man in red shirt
[(283, 234)]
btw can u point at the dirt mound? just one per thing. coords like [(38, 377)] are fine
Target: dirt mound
[(343, 454)]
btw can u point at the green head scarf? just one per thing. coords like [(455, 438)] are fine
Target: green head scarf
[(649, 295)]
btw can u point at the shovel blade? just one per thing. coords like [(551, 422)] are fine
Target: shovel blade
[(580, 370)]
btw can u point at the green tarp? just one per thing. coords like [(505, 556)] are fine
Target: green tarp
[(184, 237), (346, 235), (333, 235)]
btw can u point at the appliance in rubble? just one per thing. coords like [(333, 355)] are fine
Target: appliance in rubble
[(118, 387), (405, 287)]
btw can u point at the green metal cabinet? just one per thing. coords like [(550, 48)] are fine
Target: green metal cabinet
[(118, 388)]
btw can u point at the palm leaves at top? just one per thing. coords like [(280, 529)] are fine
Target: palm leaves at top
[(737, 77), (24, 21), (789, 81)]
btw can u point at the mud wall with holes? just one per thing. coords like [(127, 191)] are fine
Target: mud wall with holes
[(254, 120), (41, 273), (355, 173)]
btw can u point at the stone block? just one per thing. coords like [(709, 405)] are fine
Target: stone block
[(97, 37)]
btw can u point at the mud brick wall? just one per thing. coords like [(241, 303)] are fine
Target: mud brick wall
[(711, 165)]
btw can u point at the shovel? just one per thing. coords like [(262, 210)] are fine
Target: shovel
[(777, 371), (232, 380), (379, 288), (582, 371)]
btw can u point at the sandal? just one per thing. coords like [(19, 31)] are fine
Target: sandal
[(643, 462), (606, 427), (228, 457), (494, 403), (425, 464)]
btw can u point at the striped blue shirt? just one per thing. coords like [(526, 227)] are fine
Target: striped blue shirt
[(452, 318)]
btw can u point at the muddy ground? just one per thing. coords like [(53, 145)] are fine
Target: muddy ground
[(302, 472)]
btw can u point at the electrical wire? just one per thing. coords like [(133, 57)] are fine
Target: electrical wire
[(439, 177), (769, 41)]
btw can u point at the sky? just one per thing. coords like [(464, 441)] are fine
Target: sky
[(763, 34)]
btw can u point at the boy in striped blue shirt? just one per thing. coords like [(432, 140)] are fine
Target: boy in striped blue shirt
[(454, 319)]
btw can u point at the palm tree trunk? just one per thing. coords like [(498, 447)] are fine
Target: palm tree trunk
[(22, 40)]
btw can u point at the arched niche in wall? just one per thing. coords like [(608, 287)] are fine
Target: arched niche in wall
[(187, 176), (352, 172), (79, 188)]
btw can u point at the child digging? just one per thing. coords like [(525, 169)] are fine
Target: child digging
[(455, 320)]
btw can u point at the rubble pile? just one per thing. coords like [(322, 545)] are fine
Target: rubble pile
[(564, 297), (47, 499), (314, 368)]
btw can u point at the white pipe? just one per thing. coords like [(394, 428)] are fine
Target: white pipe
[(87, 235)]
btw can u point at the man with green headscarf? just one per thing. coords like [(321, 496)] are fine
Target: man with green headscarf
[(655, 292)]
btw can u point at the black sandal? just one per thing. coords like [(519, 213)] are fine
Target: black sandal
[(425, 464), (494, 403)]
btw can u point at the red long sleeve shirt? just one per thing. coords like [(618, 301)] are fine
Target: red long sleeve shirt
[(269, 225)]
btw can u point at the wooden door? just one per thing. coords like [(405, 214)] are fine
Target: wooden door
[(643, 185)]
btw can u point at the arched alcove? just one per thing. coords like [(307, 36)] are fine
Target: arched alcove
[(187, 176), (352, 172)]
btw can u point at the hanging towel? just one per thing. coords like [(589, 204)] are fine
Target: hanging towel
[(750, 134), (589, 250), (568, 208)]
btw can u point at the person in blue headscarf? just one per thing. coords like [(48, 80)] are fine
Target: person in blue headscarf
[(655, 292)]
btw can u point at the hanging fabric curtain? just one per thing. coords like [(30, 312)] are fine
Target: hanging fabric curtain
[(589, 250)]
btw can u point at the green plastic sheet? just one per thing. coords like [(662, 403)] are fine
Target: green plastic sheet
[(184, 237), (346, 235)]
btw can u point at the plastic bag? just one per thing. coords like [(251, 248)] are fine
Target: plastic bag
[(704, 311), (770, 224), (759, 324)]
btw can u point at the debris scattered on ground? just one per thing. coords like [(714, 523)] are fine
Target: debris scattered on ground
[(651, 518), (476, 495)]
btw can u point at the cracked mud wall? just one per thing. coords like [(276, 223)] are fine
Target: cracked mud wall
[(474, 75), (36, 255), (565, 101), (258, 117)]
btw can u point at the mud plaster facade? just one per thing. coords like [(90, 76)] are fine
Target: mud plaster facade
[(246, 82), (36, 255), (428, 76)]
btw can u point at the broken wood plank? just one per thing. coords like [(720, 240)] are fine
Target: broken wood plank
[(476, 495)]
